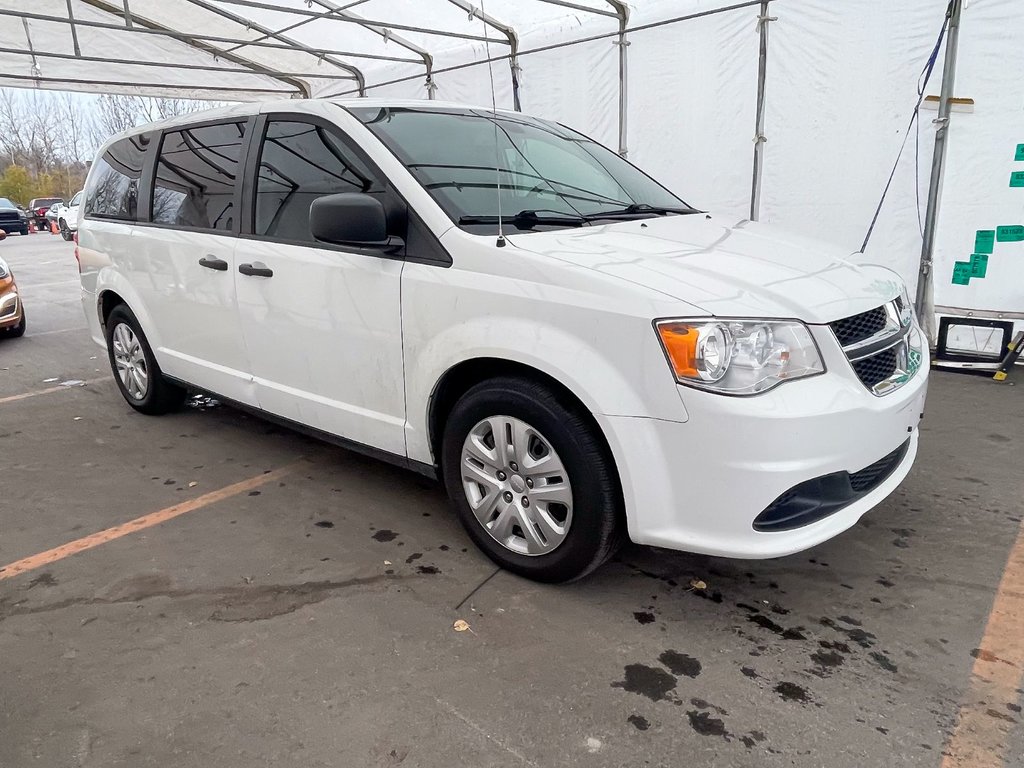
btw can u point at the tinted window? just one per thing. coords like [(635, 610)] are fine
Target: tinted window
[(5, 203), (195, 177), (300, 162), (113, 190), (544, 167), (75, 200)]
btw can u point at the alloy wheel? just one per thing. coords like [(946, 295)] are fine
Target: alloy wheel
[(130, 361)]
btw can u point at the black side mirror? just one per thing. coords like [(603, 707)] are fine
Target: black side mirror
[(351, 218)]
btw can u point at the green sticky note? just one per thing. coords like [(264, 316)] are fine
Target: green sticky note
[(1010, 234), (979, 264), (984, 241), (1019, 157), (1017, 179), (962, 273)]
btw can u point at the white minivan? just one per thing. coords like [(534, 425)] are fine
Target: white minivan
[(498, 301)]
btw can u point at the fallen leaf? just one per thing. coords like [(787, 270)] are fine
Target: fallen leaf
[(697, 584), (387, 562), (78, 418), (193, 484), (460, 625), (46, 381)]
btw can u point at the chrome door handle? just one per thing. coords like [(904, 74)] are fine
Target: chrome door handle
[(211, 263), (255, 270)]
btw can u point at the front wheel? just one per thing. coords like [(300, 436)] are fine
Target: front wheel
[(66, 233), (532, 480), (135, 368)]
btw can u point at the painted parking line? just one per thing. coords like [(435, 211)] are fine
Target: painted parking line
[(990, 710), (62, 330), (49, 390), (50, 556)]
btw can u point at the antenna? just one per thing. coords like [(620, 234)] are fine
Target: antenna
[(494, 111)]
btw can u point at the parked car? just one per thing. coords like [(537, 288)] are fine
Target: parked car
[(12, 218), (37, 208), (67, 217), (12, 313), (577, 353)]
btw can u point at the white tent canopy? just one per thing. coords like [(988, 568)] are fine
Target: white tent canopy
[(790, 111)]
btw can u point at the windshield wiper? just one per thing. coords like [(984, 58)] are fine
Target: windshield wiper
[(638, 208), (528, 219)]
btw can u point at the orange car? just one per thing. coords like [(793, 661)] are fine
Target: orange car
[(12, 313)]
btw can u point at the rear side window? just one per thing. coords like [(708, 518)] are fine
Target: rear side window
[(300, 162), (113, 191), (196, 177)]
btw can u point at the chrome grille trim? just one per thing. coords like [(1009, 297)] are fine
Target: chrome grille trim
[(886, 360)]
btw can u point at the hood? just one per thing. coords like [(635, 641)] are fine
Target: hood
[(742, 269)]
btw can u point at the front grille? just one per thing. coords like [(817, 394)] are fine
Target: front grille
[(877, 368), (816, 499), (851, 330)]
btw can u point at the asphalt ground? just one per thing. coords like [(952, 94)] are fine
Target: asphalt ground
[(284, 602)]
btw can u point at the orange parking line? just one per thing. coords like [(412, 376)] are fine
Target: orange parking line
[(47, 391), (140, 523), (984, 728)]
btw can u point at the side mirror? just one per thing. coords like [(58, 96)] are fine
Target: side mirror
[(351, 218)]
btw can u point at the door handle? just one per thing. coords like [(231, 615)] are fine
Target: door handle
[(211, 263), (256, 270)]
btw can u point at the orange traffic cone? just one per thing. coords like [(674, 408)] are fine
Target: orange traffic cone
[(54, 229)]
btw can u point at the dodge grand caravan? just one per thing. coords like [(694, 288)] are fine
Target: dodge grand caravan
[(497, 300)]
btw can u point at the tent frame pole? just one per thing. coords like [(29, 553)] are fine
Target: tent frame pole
[(622, 11), (925, 298), (759, 138)]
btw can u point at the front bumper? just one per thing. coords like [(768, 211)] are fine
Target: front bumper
[(699, 485)]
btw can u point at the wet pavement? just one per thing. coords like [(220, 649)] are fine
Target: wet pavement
[(306, 617)]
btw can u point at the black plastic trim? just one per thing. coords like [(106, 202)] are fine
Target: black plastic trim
[(814, 500)]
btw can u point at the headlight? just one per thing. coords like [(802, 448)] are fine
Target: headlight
[(5, 271), (905, 306), (738, 357)]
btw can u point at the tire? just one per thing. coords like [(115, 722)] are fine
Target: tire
[(66, 233), (580, 535), (17, 331), (23, 231), (149, 393)]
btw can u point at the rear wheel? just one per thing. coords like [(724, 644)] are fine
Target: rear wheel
[(531, 480), (135, 368), (66, 233)]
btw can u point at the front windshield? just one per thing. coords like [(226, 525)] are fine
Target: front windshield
[(5, 203), (549, 176)]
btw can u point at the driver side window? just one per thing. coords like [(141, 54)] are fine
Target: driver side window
[(300, 162)]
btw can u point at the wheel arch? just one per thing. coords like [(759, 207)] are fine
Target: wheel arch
[(465, 375)]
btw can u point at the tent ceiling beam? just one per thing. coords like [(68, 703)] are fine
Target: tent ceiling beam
[(189, 37), (74, 30), (248, 24), (388, 24), (61, 83), (127, 15), (386, 34), (577, 7), (239, 70), (145, 25), (510, 37)]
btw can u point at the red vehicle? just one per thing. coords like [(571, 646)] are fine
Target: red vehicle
[(37, 209)]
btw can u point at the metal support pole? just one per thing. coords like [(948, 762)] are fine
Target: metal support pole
[(127, 15), (513, 63), (623, 43), (74, 30), (925, 299), (759, 138), (36, 71)]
